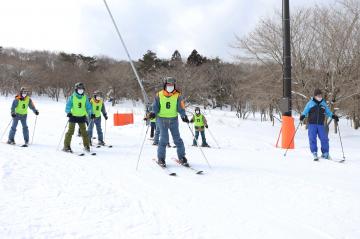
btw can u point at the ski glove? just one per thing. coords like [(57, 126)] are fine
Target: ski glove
[(13, 114), (36, 112), (302, 117), (185, 119), (335, 117), (152, 115), (106, 117), (92, 116), (206, 126), (69, 115)]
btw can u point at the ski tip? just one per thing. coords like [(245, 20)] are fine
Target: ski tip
[(199, 172), (172, 174)]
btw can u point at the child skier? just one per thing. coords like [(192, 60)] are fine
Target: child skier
[(19, 109), (315, 110), (98, 108), (77, 108), (166, 107), (200, 122)]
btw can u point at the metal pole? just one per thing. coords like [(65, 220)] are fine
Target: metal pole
[(342, 148), (2, 136), (286, 56), (62, 135), (142, 146), (213, 138), (292, 140), (32, 139), (146, 98)]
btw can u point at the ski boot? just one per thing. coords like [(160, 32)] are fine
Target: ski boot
[(155, 144), (67, 149), (12, 142), (326, 156), (87, 149), (315, 156), (183, 161), (101, 143), (194, 144), (205, 145), (161, 162)]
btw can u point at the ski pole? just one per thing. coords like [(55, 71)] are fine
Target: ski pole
[(62, 135), (342, 148), (105, 131), (202, 152), (32, 139), (292, 140), (2, 136), (141, 148), (213, 138)]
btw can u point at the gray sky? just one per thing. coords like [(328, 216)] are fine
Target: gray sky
[(83, 26)]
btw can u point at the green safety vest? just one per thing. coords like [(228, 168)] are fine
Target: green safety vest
[(22, 106), (78, 106), (168, 105), (199, 120), (96, 107)]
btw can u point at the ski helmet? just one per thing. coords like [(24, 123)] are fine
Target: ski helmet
[(197, 110), (79, 85), (169, 80)]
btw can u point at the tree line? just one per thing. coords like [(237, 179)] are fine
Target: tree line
[(325, 54)]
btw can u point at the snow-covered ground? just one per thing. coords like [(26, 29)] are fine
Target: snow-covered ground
[(252, 191)]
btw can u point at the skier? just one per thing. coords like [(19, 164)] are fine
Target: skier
[(167, 104), (19, 110), (98, 108), (200, 122), (315, 110), (77, 108)]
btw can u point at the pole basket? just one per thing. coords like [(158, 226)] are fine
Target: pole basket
[(288, 132), (121, 119)]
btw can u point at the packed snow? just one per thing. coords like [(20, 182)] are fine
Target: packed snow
[(250, 191)]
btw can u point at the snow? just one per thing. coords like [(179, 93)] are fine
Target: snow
[(252, 191)]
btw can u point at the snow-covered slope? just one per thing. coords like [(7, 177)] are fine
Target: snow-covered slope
[(252, 191)]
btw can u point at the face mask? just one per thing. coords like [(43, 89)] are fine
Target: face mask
[(98, 98), (318, 98), (197, 112), (170, 88), (80, 91), (23, 95)]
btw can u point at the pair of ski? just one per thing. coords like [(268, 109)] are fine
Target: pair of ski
[(170, 173), (80, 154), (333, 160)]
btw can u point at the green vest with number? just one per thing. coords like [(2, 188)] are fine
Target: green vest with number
[(168, 105), (22, 106), (79, 106), (199, 120), (96, 107)]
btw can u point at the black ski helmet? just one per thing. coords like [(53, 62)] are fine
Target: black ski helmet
[(24, 89), (197, 109), (79, 85), (97, 93)]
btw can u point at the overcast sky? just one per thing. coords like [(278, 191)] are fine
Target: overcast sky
[(83, 26)]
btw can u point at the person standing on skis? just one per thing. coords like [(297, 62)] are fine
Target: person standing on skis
[(200, 123), (78, 108), (98, 108), (167, 105), (19, 110), (316, 110)]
